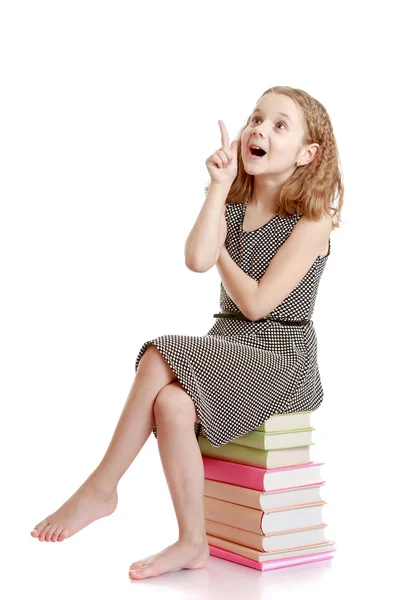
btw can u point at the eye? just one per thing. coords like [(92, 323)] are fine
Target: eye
[(280, 122)]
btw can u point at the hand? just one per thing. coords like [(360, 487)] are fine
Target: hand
[(222, 165)]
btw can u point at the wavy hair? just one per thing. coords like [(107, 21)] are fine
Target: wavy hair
[(312, 189)]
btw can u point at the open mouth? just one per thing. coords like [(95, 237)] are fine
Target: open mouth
[(256, 153)]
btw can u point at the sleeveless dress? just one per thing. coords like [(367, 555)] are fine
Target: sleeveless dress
[(240, 373)]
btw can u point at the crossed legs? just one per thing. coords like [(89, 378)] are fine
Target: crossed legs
[(183, 467), (156, 397)]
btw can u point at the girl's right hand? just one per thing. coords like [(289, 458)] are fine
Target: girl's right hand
[(222, 165)]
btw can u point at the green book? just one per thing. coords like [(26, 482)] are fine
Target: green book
[(267, 459), (275, 440)]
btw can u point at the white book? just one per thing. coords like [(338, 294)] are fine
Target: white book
[(292, 518), (297, 420), (298, 475), (262, 500)]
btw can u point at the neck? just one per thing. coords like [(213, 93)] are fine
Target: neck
[(265, 196)]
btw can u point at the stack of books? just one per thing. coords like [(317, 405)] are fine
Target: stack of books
[(262, 501)]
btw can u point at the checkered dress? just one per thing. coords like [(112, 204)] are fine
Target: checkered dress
[(240, 373)]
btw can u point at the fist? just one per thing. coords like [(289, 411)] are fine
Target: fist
[(222, 165)]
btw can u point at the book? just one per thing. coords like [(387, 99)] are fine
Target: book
[(264, 500), (272, 542), (282, 457), (327, 546), (268, 566), (259, 478), (262, 496), (275, 439), (297, 420), (261, 522)]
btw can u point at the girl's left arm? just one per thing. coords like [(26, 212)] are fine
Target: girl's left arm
[(238, 285), (290, 264)]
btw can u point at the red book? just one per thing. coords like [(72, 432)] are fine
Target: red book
[(268, 565), (260, 478)]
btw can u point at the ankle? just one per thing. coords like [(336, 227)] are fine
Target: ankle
[(195, 538), (102, 482)]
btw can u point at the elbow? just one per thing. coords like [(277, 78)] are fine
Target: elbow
[(248, 312), (252, 312), (194, 262), (196, 266), (191, 265)]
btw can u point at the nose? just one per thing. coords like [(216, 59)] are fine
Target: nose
[(257, 133)]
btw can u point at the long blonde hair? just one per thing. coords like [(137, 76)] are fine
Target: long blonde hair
[(313, 188)]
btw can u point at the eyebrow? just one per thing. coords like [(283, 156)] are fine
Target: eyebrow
[(279, 113)]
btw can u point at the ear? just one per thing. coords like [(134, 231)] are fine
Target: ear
[(309, 155)]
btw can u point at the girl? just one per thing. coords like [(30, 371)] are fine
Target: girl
[(266, 225)]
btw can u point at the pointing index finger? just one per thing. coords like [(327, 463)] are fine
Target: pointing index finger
[(224, 134)]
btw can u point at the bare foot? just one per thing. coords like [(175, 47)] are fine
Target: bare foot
[(90, 502), (181, 555)]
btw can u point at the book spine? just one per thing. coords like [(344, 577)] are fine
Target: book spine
[(234, 453), (262, 500), (275, 440), (267, 566), (232, 493), (234, 473), (242, 550), (242, 517)]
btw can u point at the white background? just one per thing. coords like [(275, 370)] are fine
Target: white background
[(108, 112)]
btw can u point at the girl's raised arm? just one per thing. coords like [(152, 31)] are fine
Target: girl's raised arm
[(203, 243)]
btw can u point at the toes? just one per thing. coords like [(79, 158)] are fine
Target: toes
[(36, 531), (43, 532), (140, 572), (56, 533), (137, 568), (140, 563), (136, 565), (62, 536), (38, 528), (49, 533)]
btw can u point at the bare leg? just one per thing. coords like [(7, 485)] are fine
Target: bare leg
[(97, 496), (183, 467)]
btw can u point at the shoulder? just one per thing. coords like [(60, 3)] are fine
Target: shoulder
[(311, 234), (321, 227)]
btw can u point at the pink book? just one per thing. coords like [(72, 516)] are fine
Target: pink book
[(259, 478), (267, 566)]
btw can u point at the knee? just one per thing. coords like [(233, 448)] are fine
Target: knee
[(151, 354), (152, 361), (174, 405)]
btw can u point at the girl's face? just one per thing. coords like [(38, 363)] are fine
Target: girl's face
[(279, 135)]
